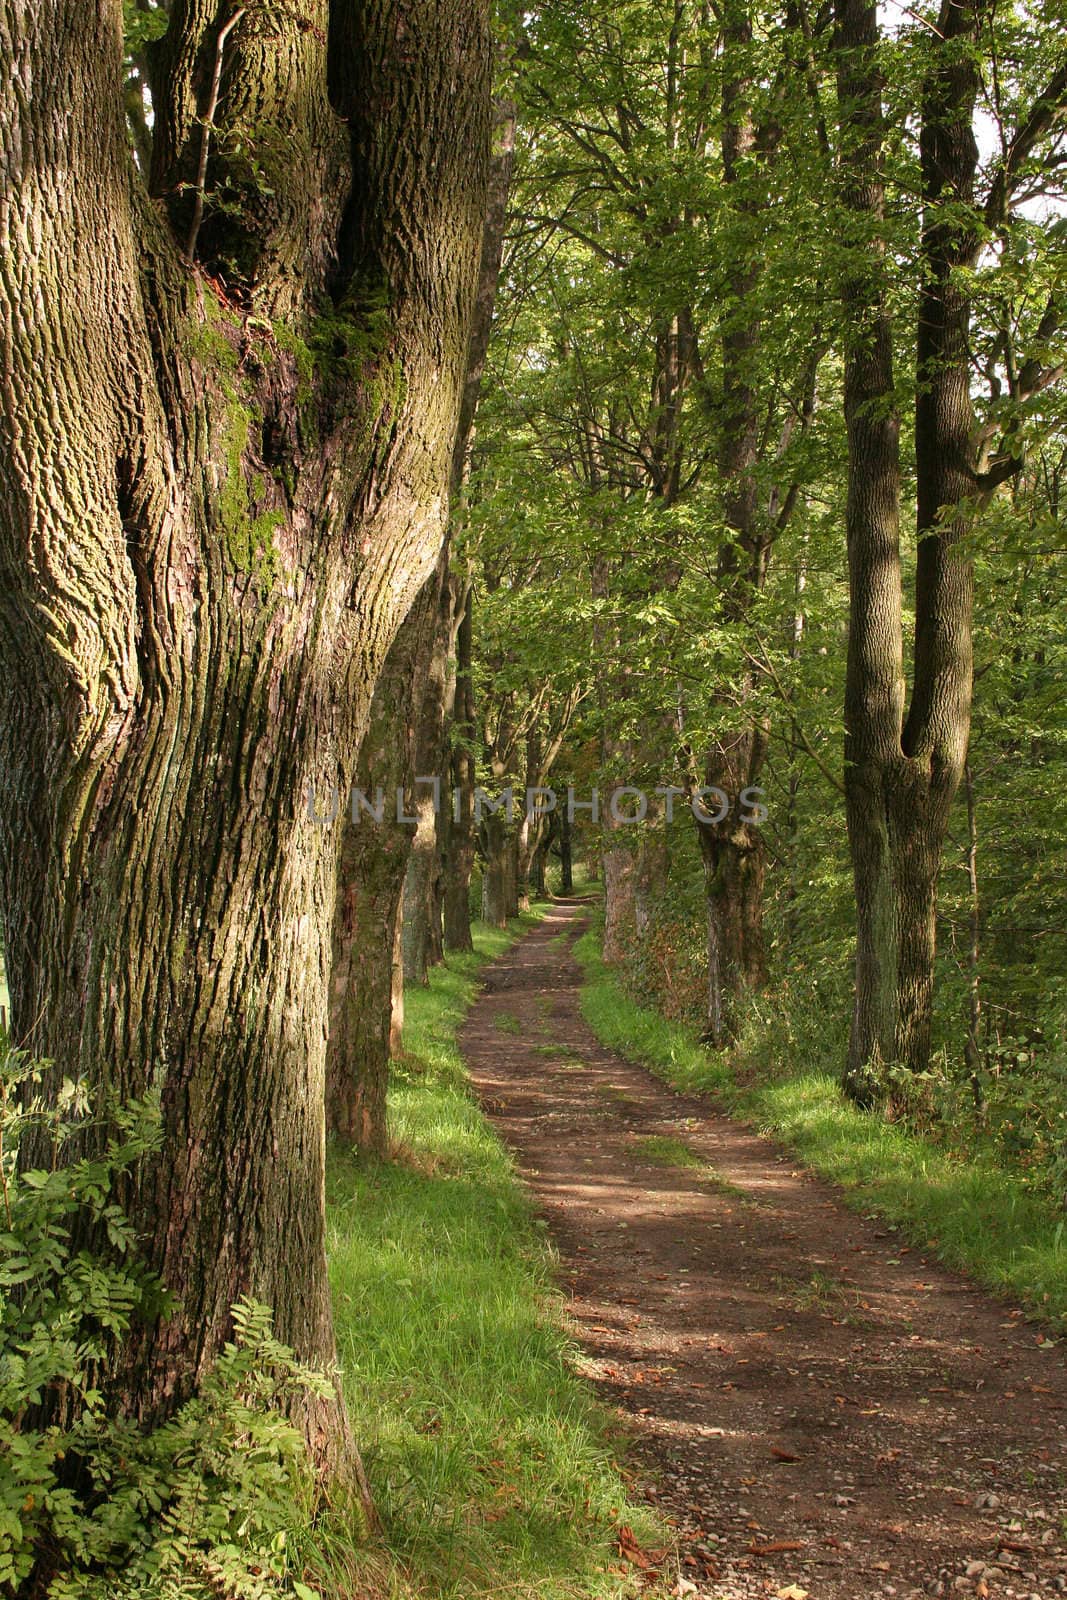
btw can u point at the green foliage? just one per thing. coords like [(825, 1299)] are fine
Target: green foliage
[(142, 22), (92, 1505)]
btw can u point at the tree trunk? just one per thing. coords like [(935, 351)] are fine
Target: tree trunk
[(619, 867), (566, 852), (460, 834), (462, 840), (532, 826), (210, 533), (421, 938), (972, 1050), (361, 987), (937, 731), (364, 1001), (901, 776), (733, 858), (732, 851), (498, 873), (617, 862), (538, 876), (651, 867), (874, 681)]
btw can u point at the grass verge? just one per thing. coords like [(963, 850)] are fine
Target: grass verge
[(969, 1213), (495, 1470)]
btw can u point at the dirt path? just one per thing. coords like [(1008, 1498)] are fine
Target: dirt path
[(812, 1404)]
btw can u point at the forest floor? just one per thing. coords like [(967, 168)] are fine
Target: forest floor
[(813, 1408)]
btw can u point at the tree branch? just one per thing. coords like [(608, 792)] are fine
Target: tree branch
[(1042, 117)]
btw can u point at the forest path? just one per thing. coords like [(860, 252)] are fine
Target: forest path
[(813, 1406)]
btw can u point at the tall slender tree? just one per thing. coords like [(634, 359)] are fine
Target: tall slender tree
[(904, 758)]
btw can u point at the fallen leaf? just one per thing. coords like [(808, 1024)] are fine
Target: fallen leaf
[(792, 1591), (647, 1560), (776, 1547)]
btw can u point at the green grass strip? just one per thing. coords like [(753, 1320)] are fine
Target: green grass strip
[(969, 1213), (495, 1470)]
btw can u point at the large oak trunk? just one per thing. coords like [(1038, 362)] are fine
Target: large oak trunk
[(215, 509)]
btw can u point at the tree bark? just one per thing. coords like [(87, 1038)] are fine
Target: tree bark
[(566, 852), (421, 936), (459, 841), (618, 867), (499, 890), (972, 1048), (732, 851), (461, 831), (364, 1026), (462, 839), (532, 826), (901, 775), (209, 534), (874, 681), (733, 858), (937, 731), (651, 867)]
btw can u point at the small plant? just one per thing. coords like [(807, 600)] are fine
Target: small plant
[(93, 1506), (662, 1151)]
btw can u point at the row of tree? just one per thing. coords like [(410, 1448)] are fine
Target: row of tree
[(775, 277), (287, 512)]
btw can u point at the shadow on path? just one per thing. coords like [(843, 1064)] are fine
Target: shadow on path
[(811, 1402)]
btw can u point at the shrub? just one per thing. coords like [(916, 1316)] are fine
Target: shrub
[(95, 1507)]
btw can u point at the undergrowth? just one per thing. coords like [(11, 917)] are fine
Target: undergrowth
[(93, 1506)]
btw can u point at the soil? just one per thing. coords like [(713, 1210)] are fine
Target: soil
[(813, 1406)]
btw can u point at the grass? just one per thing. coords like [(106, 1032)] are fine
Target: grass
[(662, 1151), (973, 1215), (496, 1472)]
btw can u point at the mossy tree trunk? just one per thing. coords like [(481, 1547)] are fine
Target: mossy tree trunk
[(222, 484)]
